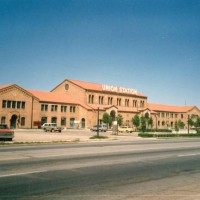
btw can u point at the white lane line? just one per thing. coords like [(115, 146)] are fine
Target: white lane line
[(18, 174), (191, 154)]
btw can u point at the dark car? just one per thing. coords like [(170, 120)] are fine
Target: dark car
[(102, 128), (5, 133)]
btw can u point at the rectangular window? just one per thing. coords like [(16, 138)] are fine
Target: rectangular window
[(72, 109), (8, 104), (63, 108), (181, 116), (23, 105), (4, 103), (3, 120), (13, 104), (54, 108), (18, 104), (42, 107)]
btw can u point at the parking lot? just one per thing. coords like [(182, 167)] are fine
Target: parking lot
[(70, 135)]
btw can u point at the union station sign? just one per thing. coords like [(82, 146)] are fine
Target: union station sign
[(111, 88)]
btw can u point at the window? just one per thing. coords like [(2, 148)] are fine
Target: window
[(18, 104), (66, 86), (54, 108), (23, 105), (63, 108), (141, 104), (100, 99), (72, 109), (119, 101), (23, 121), (8, 104), (127, 102), (181, 116), (63, 121), (91, 99), (110, 99), (3, 120), (44, 107), (13, 104), (135, 103), (53, 120), (43, 120), (72, 122), (4, 104)]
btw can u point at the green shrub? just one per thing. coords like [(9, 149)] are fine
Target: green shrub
[(164, 135)]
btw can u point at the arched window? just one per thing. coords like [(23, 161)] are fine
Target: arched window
[(3, 120), (63, 121), (23, 121), (54, 120), (43, 120), (83, 123)]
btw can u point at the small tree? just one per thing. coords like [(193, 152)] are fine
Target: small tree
[(190, 121), (176, 127), (181, 124), (107, 119), (136, 121), (150, 122), (112, 115), (197, 122), (119, 120), (143, 124)]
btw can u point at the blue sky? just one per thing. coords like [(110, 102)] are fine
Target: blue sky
[(149, 45)]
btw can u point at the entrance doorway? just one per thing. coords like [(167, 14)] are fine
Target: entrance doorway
[(13, 121)]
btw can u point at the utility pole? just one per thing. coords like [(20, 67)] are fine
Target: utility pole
[(98, 122), (188, 124)]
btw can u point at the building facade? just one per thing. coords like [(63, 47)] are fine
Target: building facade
[(77, 104)]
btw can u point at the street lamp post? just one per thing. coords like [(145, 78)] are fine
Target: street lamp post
[(188, 124), (98, 122)]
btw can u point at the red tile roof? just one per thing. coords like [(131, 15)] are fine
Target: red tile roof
[(56, 98), (52, 97), (96, 87), (169, 108)]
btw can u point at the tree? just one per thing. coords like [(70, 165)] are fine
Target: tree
[(181, 124), (119, 120), (150, 122), (113, 115), (176, 126), (143, 124), (107, 119), (190, 121), (136, 121), (197, 122)]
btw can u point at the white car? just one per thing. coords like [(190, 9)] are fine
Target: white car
[(53, 127)]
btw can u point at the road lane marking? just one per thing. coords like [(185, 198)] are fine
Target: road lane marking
[(191, 154), (24, 173)]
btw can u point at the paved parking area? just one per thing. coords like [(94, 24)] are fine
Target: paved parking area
[(38, 135)]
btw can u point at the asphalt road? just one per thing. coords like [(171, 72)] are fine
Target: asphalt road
[(159, 169)]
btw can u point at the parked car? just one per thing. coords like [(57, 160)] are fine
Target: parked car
[(6, 133), (53, 127), (102, 128), (125, 129)]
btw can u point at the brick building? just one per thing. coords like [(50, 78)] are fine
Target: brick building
[(75, 104)]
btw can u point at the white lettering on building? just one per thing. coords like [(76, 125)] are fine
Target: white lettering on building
[(111, 88)]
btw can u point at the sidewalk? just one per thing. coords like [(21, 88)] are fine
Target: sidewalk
[(38, 135)]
